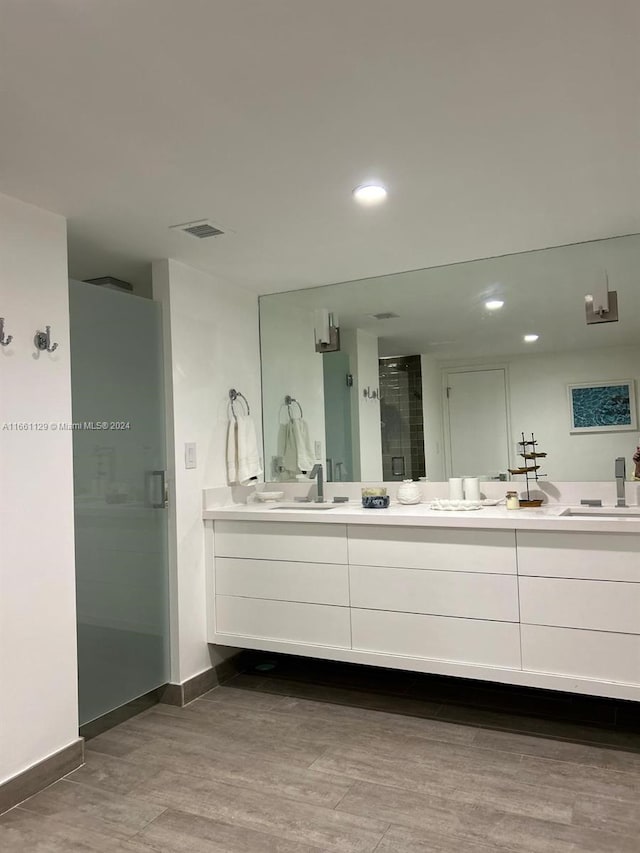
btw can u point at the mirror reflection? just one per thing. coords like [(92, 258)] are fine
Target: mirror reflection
[(436, 373)]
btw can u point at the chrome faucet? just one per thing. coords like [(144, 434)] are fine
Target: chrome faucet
[(317, 472), (621, 472)]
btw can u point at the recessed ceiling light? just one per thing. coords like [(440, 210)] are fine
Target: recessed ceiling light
[(530, 339), (493, 304), (370, 193)]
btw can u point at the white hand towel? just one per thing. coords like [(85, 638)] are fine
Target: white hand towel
[(249, 466), (304, 454), (243, 457), (232, 453), (290, 451)]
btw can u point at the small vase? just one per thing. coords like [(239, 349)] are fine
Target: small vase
[(409, 493)]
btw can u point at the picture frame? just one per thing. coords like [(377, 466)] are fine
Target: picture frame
[(603, 406)]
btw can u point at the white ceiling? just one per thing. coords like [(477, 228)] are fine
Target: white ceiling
[(441, 311), (498, 126)]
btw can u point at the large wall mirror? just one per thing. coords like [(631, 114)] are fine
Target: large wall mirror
[(440, 371)]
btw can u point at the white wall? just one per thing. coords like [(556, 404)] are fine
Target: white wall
[(432, 417), (38, 663), (538, 402), (211, 335), (291, 366), (538, 395)]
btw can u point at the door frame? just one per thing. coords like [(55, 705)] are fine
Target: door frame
[(473, 368)]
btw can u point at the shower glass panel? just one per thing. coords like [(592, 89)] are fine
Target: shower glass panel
[(337, 416), (120, 512)]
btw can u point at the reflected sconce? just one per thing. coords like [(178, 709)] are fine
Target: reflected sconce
[(327, 331), (601, 305)]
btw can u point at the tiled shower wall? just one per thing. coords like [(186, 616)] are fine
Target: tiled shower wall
[(401, 418)]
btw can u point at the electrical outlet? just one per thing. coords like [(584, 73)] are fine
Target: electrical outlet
[(318, 449)]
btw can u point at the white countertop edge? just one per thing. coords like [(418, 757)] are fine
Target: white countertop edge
[(496, 518)]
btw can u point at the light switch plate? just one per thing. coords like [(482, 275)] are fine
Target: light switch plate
[(190, 459)]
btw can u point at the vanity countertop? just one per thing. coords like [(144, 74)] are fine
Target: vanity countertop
[(548, 517)]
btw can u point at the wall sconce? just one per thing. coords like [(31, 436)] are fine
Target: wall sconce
[(327, 331), (601, 305)]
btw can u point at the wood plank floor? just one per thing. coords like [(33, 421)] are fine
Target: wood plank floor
[(250, 768)]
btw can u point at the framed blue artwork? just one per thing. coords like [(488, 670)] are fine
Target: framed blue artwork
[(603, 406)]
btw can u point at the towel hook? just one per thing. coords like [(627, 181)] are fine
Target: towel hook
[(4, 341), (42, 340), (233, 396)]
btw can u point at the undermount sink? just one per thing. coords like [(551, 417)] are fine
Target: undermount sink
[(603, 512), (302, 505)]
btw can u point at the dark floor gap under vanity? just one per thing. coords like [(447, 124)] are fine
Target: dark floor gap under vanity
[(526, 710)]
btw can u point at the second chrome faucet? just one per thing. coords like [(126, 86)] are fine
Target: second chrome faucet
[(620, 474)]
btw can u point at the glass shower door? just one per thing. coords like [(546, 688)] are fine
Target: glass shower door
[(337, 417), (120, 507)]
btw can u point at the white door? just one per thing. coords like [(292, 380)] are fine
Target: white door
[(478, 431)]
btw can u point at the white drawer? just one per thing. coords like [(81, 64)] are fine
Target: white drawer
[(585, 654), (600, 556), (316, 583), (313, 624), (281, 540), (437, 638), (569, 603), (466, 594), (490, 551)]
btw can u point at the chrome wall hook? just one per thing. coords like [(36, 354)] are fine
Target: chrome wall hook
[(4, 341), (42, 340)]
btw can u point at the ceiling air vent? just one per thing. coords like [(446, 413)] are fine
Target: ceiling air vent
[(385, 315), (110, 282), (200, 229)]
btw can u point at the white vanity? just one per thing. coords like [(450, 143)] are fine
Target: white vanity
[(531, 597)]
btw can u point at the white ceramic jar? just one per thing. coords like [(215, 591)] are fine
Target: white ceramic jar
[(513, 501), (409, 492)]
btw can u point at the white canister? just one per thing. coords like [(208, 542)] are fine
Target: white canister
[(456, 492), (471, 486), (409, 492)]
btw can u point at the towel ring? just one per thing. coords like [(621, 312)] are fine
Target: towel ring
[(233, 396), (289, 401)]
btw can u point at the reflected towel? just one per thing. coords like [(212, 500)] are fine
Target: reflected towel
[(243, 457), (298, 455)]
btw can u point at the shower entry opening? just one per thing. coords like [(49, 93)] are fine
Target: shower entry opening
[(402, 418)]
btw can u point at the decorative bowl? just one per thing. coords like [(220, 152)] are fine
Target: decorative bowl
[(456, 505), (375, 501), (269, 496)]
